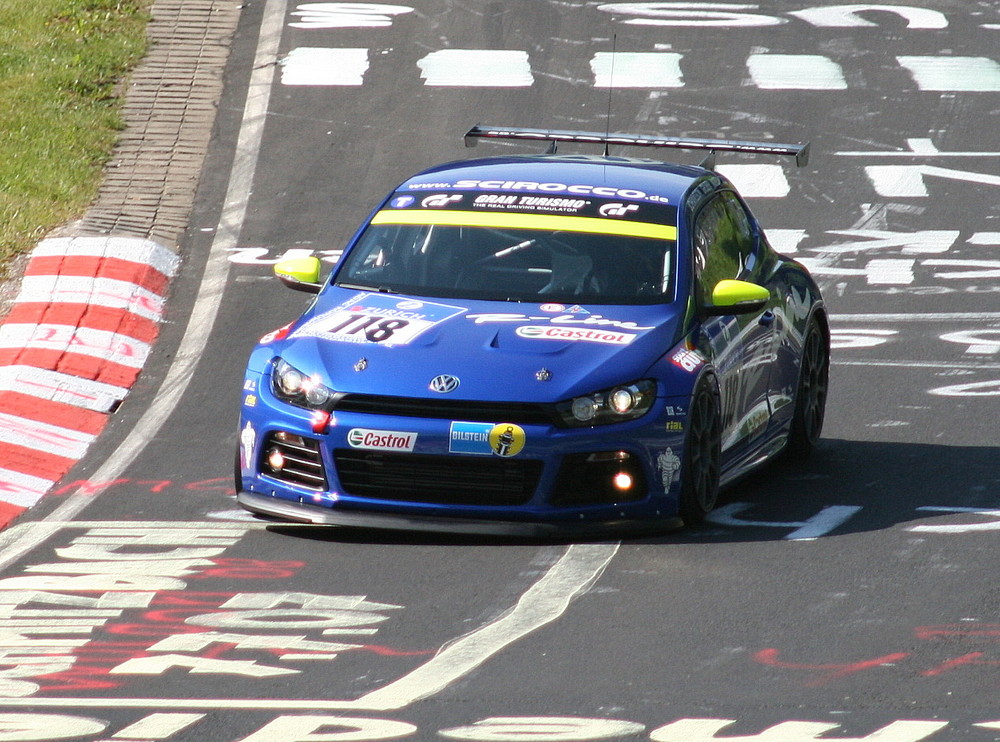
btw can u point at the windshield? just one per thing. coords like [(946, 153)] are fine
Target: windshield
[(513, 257)]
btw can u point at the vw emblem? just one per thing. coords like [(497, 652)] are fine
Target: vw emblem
[(444, 383)]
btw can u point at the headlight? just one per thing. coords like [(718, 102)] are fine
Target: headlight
[(294, 387), (615, 405)]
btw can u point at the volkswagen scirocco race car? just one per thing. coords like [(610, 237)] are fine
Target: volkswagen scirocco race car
[(538, 344)]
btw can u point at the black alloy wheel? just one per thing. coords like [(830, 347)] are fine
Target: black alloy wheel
[(702, 455), (810, 397)]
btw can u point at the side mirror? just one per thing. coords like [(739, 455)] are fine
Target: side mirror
[(301, 274), (737, 297)]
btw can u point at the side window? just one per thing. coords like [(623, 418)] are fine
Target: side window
[(723, 243), (743, 236)]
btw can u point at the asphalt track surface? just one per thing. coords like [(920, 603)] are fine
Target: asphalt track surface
[(852, 597)]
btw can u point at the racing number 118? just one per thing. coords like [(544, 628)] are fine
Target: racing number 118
[(375, 328)]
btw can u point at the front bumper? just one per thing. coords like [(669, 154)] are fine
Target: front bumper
[(414, 473)]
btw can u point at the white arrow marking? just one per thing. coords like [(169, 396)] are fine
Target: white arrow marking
[(823, 522)]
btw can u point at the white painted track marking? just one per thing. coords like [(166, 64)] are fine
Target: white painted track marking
[(22, 489), (317, 66), (131, 249), (319, 16), (157, 726), (826, 520), (848, 16), (494, 68), (60, 387), (795, 72), (937, 365), (544, 602), (920, 317), (109, 346), (953, 74), (308, 65), (44, 437), (102, 292), (637, 70), (757, 180)]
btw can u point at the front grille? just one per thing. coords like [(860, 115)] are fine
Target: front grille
[(293, 459), (442, 480), (522, 413)]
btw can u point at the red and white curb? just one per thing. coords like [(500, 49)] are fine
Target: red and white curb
[(71, 347)]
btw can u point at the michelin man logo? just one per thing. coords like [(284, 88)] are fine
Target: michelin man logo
[(248, 436), (668, 464)]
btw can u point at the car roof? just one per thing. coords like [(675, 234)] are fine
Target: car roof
[(665, 182)]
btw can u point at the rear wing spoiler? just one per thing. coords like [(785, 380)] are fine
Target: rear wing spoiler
[(799, 151)]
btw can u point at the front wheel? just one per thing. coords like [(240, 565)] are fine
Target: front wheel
[(702, 455), (810, 397), (237, 472)]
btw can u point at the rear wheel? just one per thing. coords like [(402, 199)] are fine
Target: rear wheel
[(702, 455), (810, 397)]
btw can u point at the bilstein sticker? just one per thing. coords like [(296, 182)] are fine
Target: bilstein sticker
[(486, 439), (507, 439)]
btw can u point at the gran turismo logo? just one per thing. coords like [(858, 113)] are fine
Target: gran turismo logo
[(617, 209), (440, 200)]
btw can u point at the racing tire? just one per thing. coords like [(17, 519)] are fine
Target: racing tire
[(810, 396), (702, 455)]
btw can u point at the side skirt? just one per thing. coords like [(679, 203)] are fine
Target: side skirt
[(759, 453)]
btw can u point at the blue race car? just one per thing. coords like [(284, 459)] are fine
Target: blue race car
[(538, 344)]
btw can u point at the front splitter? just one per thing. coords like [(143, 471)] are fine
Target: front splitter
[(318, 515)]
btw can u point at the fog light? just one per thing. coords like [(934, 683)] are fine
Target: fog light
[(584, 409), (599, 478), (608, 456), (623, 481), (275, 459)]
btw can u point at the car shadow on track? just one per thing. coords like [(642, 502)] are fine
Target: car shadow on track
[(844, 487), (886, 484)]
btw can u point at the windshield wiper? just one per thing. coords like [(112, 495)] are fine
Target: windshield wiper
[(364, 287)]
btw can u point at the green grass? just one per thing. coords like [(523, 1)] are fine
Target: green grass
[(61, 65)]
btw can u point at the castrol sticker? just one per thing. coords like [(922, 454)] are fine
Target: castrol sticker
[(576, 334), (381, 440)]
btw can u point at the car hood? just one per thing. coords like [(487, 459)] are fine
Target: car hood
[(372, 343)]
